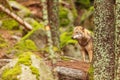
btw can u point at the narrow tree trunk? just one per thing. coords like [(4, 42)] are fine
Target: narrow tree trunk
[(104, 40), (117, 41), (48, 32), (44, 12), (54, 20)]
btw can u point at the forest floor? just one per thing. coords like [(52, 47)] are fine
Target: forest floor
[(11, 41), (7, 36)]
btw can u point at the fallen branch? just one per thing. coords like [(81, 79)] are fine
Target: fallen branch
[(16, 17)]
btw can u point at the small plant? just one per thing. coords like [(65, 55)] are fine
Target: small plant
[(91, 73), (9, 24)]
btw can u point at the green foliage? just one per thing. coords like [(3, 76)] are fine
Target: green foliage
[(2, 15), (63, 15), (65, 58), (91, 73), (3, 43), (63, 12), (9, 24), (11, 74), (66, 38), (26, 45), (35, 71), (87, 14)]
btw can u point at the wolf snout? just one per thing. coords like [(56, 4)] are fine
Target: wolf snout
[(74, 37)]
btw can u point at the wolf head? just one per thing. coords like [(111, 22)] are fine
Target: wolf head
[(78, 32)]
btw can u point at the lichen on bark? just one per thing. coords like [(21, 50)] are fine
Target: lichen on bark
[(54, 21), (104, 40), (117, 40)]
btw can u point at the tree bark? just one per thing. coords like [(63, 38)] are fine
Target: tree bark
[(54, 21), (104, 40), (117, 41), (48, 30)]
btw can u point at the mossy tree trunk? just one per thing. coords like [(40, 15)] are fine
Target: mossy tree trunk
[(54, 20), (117, 41), (104, 55), (49, 34)]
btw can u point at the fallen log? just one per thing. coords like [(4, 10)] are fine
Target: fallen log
[(65, 73)]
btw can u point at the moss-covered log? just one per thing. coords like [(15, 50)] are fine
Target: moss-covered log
[(104, 40)]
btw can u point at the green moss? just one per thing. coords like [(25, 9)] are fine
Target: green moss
[(25, 59), (11, 74), (26, 45), (9, 24), (36, 27), (35, 71), (91, 73), (65, 58), (63, 15), (2, 15), (3, 43), (66, 38), (30, 45), (34, 23), (87, 14), (23, 46), (63, 12)]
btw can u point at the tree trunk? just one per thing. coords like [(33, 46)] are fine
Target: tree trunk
[(48, 32), (54, 20), (104, 40), (44, 12), (117, 41)]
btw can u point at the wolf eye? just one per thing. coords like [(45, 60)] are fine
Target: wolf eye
[(77, 32)]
